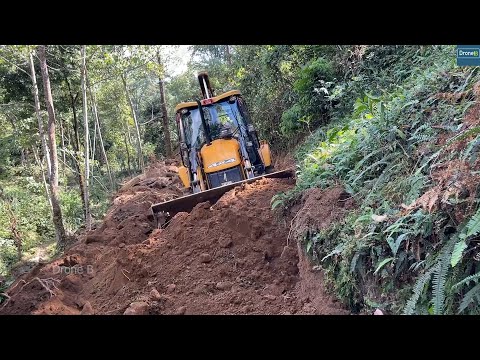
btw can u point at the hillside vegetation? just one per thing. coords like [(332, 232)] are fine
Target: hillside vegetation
[(407, 153)]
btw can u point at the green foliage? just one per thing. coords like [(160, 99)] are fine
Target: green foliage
[(8, 255), (273, 79), (277, 200), (312, 88), (418, 289), (382, 264), (440, 276), (473, 226), (71, 204), (472, 296), (457, 252), (383, 153)]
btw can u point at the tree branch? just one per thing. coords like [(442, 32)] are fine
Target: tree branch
[(18, 67)]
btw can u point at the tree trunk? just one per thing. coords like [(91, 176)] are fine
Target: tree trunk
[(128, 141), (76, 144), (22, 157), (46, 154), (128, 153), (229, 56), (163, 106), (93, 141), (132, 109), (100, 137), (62, 135), (45, 185), (88, 222), (67, 134), (52, 143)]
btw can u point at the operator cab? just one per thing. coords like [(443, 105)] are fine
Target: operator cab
[(218, 143), (224, 119)]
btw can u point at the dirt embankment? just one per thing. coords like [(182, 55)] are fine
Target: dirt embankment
[(231, 257)]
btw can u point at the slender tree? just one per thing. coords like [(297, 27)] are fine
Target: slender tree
[(99, 132), (76, 142), (228, 55), (132, 109), (86, 146), (62, 138), (41, 132), (56, 210), (163, 106), (44, 179)]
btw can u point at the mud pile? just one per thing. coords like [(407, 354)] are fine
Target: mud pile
[(230, 257), (127, 221)]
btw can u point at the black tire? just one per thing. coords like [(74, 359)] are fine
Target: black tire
[(269, 169)]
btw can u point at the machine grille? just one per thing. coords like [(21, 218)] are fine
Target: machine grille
[(225, 177)]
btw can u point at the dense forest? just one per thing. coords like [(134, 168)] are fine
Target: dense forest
[(397, 127)]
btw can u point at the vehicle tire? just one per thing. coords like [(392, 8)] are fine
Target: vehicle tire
[(269, 169)]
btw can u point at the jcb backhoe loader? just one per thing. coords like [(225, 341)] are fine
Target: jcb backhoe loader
[(219, 148)]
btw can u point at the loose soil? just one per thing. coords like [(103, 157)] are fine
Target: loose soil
[(231, 257)]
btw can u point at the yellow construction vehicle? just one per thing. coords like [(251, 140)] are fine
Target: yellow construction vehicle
[(219, 148)]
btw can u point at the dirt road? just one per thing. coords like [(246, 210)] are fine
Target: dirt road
[(230, 257)]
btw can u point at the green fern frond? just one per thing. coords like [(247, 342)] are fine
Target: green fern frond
[(471, 146), (468, 279), (276, 203), (463, 135), (385, 160), (416, 183), (361, 162), (338, 250), (422, 138), (381, 181), (417, 291), (425, 126), (458, 252), (472, 295), (353, 264), (473, 226), (440, 276), (383, 263)]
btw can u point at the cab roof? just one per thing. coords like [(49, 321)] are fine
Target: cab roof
[(193, 104)]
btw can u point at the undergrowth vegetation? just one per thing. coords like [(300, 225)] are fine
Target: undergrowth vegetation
[(25, 214), (408, 155)]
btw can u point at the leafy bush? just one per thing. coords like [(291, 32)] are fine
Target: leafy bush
[(312, 88), (8, 255), (72, 209)]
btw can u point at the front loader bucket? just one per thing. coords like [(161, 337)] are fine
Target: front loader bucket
[(167, 209)]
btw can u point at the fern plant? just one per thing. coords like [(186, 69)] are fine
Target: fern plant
[(440, 269), (472, 295), (440, 276), (471, 229), (418, 289)]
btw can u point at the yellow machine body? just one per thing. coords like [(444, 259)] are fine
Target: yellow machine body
[(184, 176), (265, 153), (221, 154)]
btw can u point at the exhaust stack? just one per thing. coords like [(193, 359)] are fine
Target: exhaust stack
[(205, 85)]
